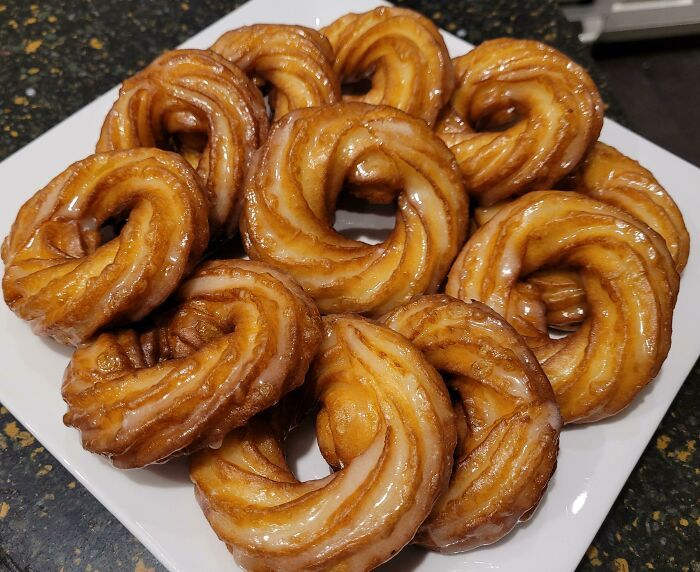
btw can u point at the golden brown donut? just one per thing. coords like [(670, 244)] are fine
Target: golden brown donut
[(199, 104), (509, 438), (555, 296), (402, 52), (290, 203), (522, 116), (613, 178), (67, 279), (629, 278), (385, 424), (295, 61), (241, 336)]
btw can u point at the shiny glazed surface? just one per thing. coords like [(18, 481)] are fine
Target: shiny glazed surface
[(522, 116), (401, 52), (294, 184), (385, 424), (613, 178), (593, 464), (630, 282), (199, 104), (294, 62), (507, 417), (67, 280), (241, 337)]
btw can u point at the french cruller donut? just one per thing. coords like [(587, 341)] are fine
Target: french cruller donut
[(295, 181)]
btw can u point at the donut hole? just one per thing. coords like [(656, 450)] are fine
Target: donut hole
[(497, 119), (358, 218), (557, 303), (356, 87), (226, 248), (105, 230), (367, 204), (269, 93), (185, 133), (303, 454), (190, 145), (110, 229)]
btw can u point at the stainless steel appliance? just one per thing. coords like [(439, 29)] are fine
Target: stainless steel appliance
[(632, 19)]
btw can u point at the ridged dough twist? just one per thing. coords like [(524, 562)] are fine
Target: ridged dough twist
[(385, 424), (294, 184), (402, 52), (613, 178), (295, 62), (67, 279), (508, 419), (241, 337), (202, 106), (522, 116), (630, 282)]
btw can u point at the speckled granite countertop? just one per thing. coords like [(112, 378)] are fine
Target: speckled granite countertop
[(55, 57)]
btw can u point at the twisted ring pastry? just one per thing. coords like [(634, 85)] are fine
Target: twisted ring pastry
[(556, 298), (291, 195), (295, 61), (69, 280), (199, 104), (241, 337), (402, 52), (630, 282), (613, 178), (508, 419), (385, 424), (522, 116)]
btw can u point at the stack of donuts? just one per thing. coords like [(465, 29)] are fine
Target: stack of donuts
[(428, 359)]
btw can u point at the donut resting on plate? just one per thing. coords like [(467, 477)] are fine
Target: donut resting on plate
[(385, 424), (202, 106), (629, 278), (522, 116), (295, 62), (241, 337), (292, 191), (613, 178), (507, 415), (69, 279), (403, 55)]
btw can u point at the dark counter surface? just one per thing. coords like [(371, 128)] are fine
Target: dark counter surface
[(55, 57)]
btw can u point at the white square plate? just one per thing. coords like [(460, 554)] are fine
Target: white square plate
[(158, 504)]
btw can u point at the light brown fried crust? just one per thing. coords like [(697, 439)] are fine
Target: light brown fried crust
[(242, 336), (386, 424), (613, 178), (630, 281), (294, 184), (509, 439), (294, 62), (522, 116), (68, 281), (204, 107), (402, 52)]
